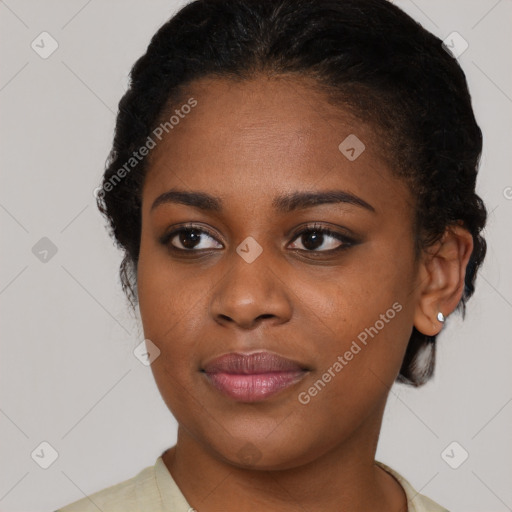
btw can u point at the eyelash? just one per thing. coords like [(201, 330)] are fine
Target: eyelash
[(345, 240)]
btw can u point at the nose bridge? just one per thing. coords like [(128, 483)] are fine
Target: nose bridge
[(251, 288)]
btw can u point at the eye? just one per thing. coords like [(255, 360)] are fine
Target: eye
[(321, 239), (190, 239), (314, 238)]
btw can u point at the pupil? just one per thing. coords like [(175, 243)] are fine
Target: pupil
[(189, 238), (315, 237)]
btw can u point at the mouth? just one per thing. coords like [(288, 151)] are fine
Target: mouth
[(252, 377)]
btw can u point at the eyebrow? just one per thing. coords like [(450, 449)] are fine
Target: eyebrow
[(282, 204)]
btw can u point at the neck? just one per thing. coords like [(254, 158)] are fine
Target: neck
[(344, 478)]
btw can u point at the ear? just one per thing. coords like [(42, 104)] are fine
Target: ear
[(441, 278)]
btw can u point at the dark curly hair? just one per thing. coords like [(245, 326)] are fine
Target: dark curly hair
[(369, 57)]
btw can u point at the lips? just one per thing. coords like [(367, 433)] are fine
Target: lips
[(252, 377)]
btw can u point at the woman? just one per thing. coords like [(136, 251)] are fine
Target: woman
[(293, 185)]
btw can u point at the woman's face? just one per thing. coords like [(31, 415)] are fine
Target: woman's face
[(278, 342)]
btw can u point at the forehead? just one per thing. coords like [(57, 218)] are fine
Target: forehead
[(279, 131), (283, 112)]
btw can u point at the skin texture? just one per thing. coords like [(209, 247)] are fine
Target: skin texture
[(247, 142)]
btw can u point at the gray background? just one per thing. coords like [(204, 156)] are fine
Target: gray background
[(67, 372)]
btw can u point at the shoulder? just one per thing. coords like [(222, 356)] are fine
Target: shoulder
[(127, 496), (416, 502)]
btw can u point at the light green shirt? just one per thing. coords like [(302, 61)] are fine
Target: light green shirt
[(154, 490)]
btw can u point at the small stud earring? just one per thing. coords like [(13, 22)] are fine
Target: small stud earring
[(440, 316)]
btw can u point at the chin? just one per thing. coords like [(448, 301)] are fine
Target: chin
[(273, 453)]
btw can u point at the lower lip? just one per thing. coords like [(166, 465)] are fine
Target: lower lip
[(254, 387)]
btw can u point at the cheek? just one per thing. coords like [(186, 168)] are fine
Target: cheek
[(350, 300), (368, 315), (173, 302), (367, 335), (169, 305), (359, 363), (167, 293)]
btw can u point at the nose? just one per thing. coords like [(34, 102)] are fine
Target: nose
[(251, 293)]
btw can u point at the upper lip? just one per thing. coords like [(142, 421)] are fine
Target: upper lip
[(252, 364)]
